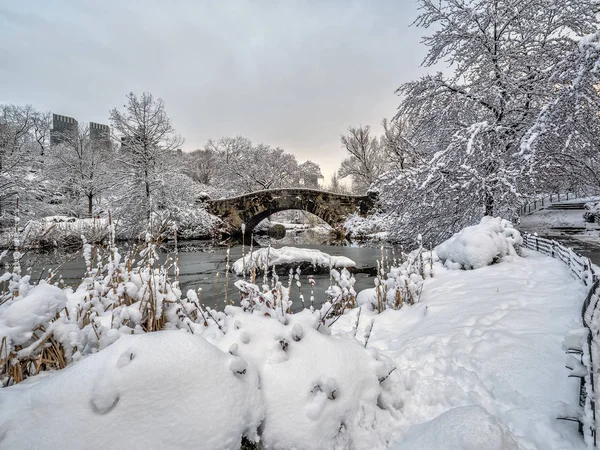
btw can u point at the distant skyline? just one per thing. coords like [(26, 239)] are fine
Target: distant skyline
[(293, 74)]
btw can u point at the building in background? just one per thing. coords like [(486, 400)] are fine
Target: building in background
[(100, 135), (4, 135), (61, 127)]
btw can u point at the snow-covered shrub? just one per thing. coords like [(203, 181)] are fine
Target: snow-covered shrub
[(592, 212), (479, 245), (271, 301), (192, 222), (167, 389), (373, 227), (341, 293), (45, 327), (320, 391), (399, 281)]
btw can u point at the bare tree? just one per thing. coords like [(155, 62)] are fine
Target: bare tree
[(562, 144), (80, 167), (24, 134), (203, 166), (242, 166), (397, 143), (365, 162), (148, 146), (336, 186)]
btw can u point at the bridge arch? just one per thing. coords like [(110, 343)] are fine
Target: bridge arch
[(252, 208)]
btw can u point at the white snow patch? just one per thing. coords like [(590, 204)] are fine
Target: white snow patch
[(462, 428), (489, 337), (479, 245), (289, 255), (167, 389)]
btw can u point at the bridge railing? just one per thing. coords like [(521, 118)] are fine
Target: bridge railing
[(588, 367)]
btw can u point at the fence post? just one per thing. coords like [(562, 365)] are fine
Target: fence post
[(542, 201), (553, 249), (537, 244), (534, 205)]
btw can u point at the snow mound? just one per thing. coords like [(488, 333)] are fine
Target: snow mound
[(269, 257), (19, 317), (463, 428), (167, 389), (479, 245), (320, 391)]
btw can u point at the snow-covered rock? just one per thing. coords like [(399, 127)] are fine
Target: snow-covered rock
[(479, 245), (167, 389), (269, 257)]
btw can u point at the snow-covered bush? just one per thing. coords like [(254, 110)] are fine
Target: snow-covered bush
[(341, 292), (373, 227), (479, 245), (45, 327), (159, 390), (399, 281), (592, 212), (192, 222), (320, 391)]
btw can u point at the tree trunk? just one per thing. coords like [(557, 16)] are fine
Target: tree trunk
[(90, 212), (489, 204)]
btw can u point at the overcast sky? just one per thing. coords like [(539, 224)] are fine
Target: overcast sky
[(293, 74)]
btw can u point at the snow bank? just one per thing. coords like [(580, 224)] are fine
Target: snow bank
[(320, 391), (463, 428), (269, 257), (167, 389), (489, 338), (479, 245)]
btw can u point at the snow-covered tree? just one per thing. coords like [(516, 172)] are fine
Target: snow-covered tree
[(80, 168), (396, 143), (563, 143), (203, 166), (309, 174), (336, 186), (238, 166), (146, 159), (24, 137), (469, 121), (365, 161)]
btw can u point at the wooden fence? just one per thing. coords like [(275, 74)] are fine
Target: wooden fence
[(538, 203), (587, 369)]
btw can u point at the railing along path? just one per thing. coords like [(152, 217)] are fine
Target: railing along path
[(587, 368)]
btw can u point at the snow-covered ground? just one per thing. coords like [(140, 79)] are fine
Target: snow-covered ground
[(546, 219), (490, 340), (476, 363)]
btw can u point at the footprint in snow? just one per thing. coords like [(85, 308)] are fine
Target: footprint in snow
[(125, 359)]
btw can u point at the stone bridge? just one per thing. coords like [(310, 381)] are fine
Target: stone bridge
[(252, 208)]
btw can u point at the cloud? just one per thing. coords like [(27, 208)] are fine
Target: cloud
[(293, 74)]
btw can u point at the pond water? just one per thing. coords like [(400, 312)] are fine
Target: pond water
[(202, 265)]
